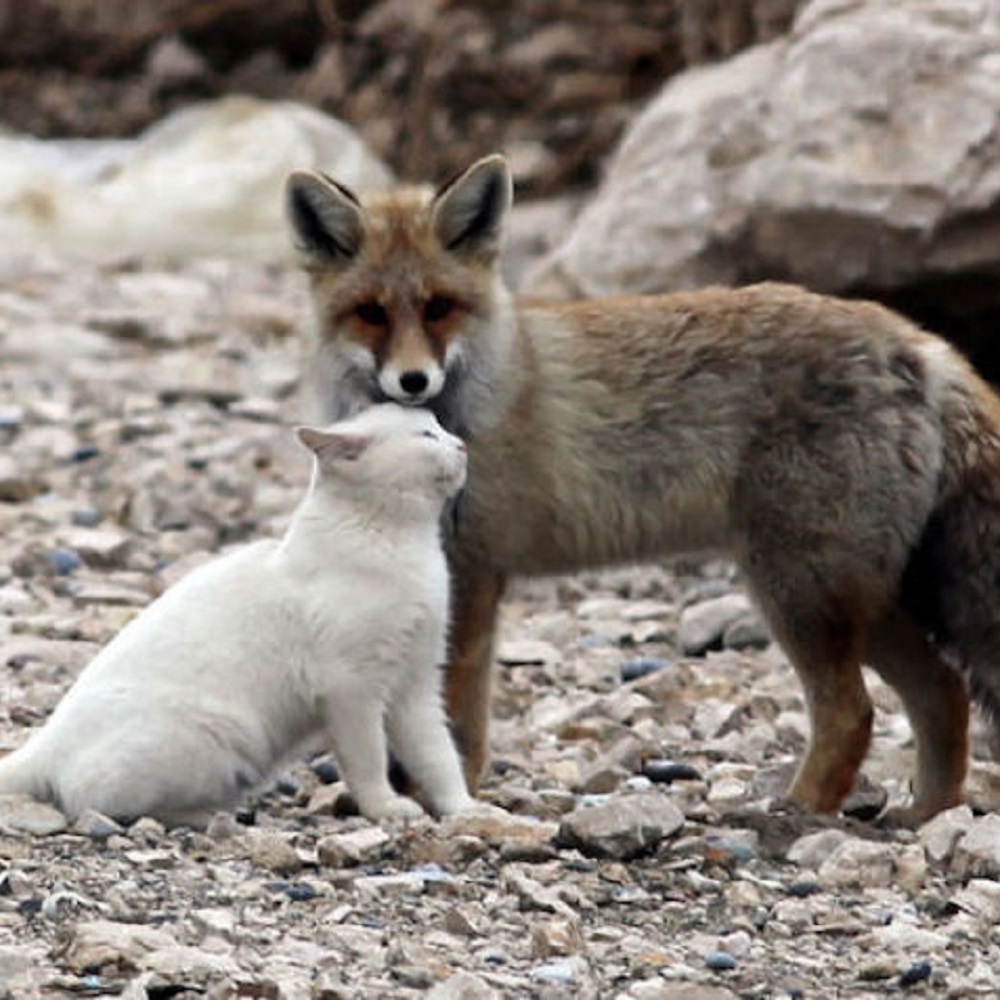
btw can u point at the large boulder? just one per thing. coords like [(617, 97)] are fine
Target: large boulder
[(206, 180), (860, 154)]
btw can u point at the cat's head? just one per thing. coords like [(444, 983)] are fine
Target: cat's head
[(386, 448)]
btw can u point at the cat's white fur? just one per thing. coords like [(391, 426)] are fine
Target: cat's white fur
[(337, 628)]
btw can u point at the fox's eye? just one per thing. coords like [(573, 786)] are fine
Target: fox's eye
[(429, 434), (371, 313), (438, 307)]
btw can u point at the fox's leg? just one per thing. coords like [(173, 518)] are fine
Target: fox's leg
[(824, 646), (936, 701), (469, 678), (841, 716)]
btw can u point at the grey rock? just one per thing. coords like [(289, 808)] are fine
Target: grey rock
[(353, 848), (624, 827), (275, 853), (940, 834), (852, 153), (463, 986), (703, 625), (977, 853)]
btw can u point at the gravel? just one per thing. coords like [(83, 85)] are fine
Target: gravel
[(632, 840)]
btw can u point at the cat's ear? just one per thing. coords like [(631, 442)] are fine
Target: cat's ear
[(470, 211), (326, 217), (330, 445)]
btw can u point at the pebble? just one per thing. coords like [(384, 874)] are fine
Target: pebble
[(940, 835), (354, 848), (65, 561), (916, 973), (669, 771), (702, 625), (720, 961), (555, 973), (96, 825), (623, 827), (558, 936), (977, 853), (858, 862), (643, 666), (100, 547), (86, 517), (463, 986), (275, 853)]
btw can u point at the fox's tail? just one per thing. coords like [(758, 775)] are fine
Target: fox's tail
[(952, 583)]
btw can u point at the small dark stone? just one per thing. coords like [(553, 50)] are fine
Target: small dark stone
[(297, 892), (641, 666), (723, 849), (245, 816), (65, 561), (325, 768), (86, 452), (720, 961), (287, 784), (916, 973), (866, 801), (597, 641), (804, 888), (30, 907), (666, 771), (86, 517)]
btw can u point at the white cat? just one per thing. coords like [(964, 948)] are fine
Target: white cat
[(338, 628)]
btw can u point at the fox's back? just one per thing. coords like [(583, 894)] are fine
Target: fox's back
[(642, 424)]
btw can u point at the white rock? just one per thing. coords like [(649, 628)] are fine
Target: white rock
[(978, 851), (205, 180), (856, 151), (940, 834), (99, 943), (812, 849), (980, 897), (859, 862), (463, 986), (702, 625)]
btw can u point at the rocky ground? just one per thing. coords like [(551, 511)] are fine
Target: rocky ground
[(645, 728)]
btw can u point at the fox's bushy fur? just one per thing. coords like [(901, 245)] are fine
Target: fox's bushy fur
[(848, 461)]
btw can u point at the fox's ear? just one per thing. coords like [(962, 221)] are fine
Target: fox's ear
[(331, 444), (325, 216), (470, 210)]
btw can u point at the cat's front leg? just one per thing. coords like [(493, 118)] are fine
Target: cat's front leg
[(356, 732), (419, 738)]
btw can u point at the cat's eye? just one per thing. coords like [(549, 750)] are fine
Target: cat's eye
[(429, 434), (371, 313), (438, 307)]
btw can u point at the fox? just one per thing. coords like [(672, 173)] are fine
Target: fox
[(847, 461)]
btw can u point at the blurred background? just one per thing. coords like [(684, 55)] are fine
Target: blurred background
[(656, 144)]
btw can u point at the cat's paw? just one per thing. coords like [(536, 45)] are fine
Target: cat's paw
[(398, 807), (452, 804)]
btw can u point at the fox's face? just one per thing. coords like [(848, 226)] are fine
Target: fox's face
[(405, 287)]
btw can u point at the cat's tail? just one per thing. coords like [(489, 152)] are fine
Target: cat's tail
[(20, 774)]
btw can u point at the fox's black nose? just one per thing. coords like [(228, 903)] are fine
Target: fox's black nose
[(413, 383)]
